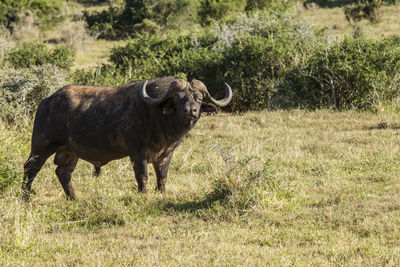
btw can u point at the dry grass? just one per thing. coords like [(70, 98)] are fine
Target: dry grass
[(95, 54), (340, 170), (333, 19)]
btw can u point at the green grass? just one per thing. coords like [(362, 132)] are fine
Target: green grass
[(325, 191)]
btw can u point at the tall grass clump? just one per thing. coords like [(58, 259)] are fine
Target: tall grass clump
[(8, 174), (6, 43), (247, 184), (26, 27), (75, 35)]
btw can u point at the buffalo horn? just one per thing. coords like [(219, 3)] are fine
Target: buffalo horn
[(227, 98), (152, 100)]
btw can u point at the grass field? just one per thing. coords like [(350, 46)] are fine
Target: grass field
[(275, 188), (334, 22), (261, 188)]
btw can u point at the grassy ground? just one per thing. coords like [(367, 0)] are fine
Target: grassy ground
[(261, 188), (336, 25), (299, 188)]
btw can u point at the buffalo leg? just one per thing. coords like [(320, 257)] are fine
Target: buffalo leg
[(33, 165), (66, 164), (141, 173), (161, 169)]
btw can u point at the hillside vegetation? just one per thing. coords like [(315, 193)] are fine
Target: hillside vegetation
[(300, 169)]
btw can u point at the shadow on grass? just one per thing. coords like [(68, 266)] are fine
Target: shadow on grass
[(383, 126), (329, 3), (193, 206)]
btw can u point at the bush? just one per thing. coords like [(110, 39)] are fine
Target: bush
[(141, 16), (102, 24), (271, 60), (8, 175), (45, 10), (363, 9), (21, 90), (353, 73), (249, 53), (214, 10), (150, 55), (36, 54)]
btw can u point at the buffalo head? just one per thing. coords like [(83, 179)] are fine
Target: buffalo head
[(186, 99)]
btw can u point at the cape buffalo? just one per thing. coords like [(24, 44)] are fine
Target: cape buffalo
[(100, 124)]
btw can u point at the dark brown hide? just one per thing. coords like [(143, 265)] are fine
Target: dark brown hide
[(100, 124)]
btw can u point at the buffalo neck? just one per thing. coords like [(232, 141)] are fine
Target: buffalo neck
[(174, 128)]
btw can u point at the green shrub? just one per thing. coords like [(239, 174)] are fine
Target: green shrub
[(46, 10), (141, 16), (103, 23), (353, 73), (251, 64), (214, 10), (270, 59), (249, 52), (365, 9), (150, 55), (8, 175), (36, 54), (21, 90)]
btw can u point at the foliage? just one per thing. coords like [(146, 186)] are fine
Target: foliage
[(353, 73), (36, 54), (22, 89), (271, 60), (140, 15), (365, 9), (151, 16), (45, 10), (249, 53), (214, 10), (257, 4), (256, 49)]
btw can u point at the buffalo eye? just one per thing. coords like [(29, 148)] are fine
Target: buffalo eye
[(198, 98), (179, 95)]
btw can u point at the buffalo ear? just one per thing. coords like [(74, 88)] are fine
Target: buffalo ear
[(208, 109), (168, 107)]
